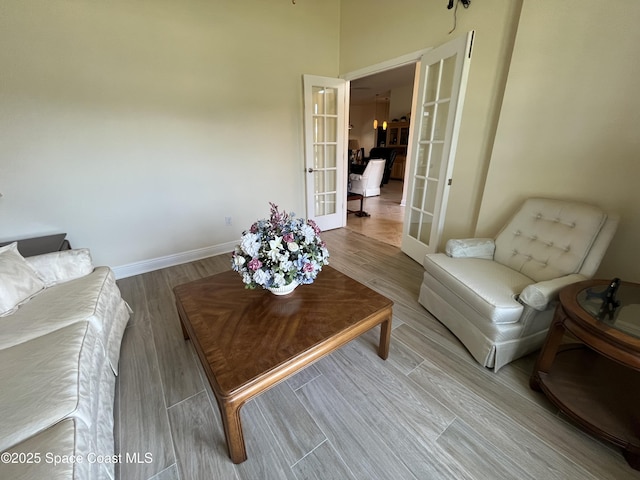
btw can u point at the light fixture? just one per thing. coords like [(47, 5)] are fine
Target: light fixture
[(375, 114), (375, 118)]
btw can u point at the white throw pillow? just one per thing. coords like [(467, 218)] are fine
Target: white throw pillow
[(58, 267), (18, 281)]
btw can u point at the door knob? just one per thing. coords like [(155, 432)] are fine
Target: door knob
[(310, 170)]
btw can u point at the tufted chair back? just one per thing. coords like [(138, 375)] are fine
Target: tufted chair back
[(550, 238)]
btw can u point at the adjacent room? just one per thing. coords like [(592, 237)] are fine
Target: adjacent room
[(379, 119), (306, 240)]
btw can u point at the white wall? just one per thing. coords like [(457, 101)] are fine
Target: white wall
[(361, 117), (569, 123), (136, 127), (400, 103)]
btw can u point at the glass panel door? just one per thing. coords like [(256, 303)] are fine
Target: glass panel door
[(325, 149), (439, 99)]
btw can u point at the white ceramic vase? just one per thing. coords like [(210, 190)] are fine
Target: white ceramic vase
[(287, 289)]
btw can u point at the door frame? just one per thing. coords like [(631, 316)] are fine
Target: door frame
[(409, 58), (401, 61)]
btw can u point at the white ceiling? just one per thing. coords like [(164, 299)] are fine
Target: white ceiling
[(364, 90)]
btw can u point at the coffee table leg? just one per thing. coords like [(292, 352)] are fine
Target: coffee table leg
[(385, 338), (184, 331), (180, 313), (632, 455), (230, 413)]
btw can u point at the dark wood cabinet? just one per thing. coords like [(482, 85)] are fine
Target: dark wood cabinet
[(398, 134)]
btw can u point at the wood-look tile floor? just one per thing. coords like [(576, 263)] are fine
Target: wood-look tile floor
[(387, 215), (428, 412)]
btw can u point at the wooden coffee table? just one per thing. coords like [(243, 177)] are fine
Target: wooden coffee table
[(249, 340)]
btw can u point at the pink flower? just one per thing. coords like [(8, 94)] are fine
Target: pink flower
[(315, 226), (307, 268), (254, 264), (288, 238)]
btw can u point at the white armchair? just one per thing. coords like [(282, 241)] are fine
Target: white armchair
[(498, 296), (368, 184)]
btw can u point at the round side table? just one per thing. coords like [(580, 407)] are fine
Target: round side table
[(596, 382)]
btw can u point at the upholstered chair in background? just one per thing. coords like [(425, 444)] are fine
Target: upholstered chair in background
[(498, 295), (368, 183)]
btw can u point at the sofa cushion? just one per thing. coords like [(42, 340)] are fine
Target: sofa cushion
[(19, 281), (43, 449), (486, 286), (46, 380), (94, 298), (58, 267)]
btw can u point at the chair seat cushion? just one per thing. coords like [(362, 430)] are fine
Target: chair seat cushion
[(488, 287)]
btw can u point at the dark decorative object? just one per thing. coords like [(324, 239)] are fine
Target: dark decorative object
[(465, 3), (608, 296)]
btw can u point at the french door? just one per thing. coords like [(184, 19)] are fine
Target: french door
[(325, 127), (435, 125)]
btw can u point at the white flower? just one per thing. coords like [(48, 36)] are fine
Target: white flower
[(293, 246), (239, 260), (250, 244), (261, 277), (308, 233), (276, 243), (287, 266), (278, 280), (283, 257)]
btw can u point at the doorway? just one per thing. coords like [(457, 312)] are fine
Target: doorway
[(380, 108), (440, 83)]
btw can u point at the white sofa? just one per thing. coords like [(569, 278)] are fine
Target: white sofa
[(498, 295), (62, 322)]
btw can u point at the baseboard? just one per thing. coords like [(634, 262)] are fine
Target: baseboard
[(152, 264)]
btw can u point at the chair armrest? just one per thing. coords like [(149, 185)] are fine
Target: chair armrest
[(59, 267), (471, 248), (538, 295), (355, 176)]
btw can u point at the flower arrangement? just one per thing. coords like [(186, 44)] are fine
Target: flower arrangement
[(278, 251)]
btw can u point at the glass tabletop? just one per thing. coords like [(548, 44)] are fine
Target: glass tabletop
[(622, 314)]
